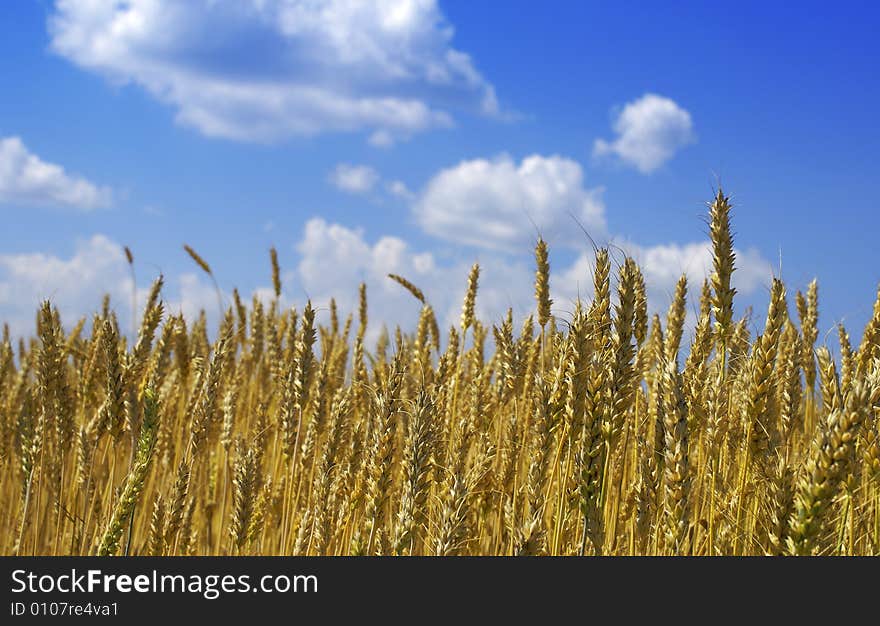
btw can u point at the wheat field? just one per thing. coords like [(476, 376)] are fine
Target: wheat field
[(596, 434)]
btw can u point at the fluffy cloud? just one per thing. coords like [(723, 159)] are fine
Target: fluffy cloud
[(333, 260), (26, 179), (499, 203), (649, 131), (75, 284), (195, 295), (362, 179), (354, 178), (266, 69), (662, 266)]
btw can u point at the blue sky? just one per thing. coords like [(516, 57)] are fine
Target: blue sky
[(416, 137)]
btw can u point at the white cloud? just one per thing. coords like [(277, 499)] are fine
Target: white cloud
[(195, 295), (499, 203), (26, 179), (662, 265), (336, 259), (649, 131), (399, 189), (381, 139), (354, 178), (362, 179), (267, 69), (332, 261), (75, 284)]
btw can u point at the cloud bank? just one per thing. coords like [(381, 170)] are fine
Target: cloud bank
[(330, 260)]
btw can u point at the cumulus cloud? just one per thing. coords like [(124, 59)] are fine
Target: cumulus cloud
[(194, 295), (649, 132), (333, 260), (268, 69), (354, 178), (27, 179), (499, 203), (662, 266), (75, 284)]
